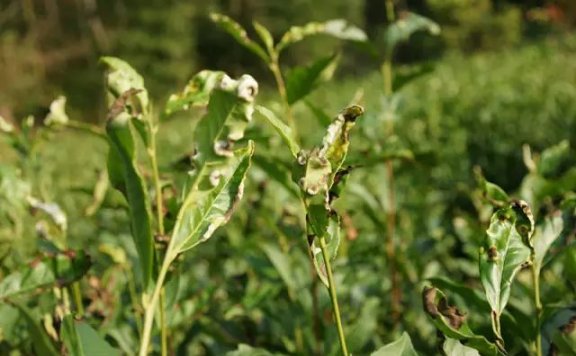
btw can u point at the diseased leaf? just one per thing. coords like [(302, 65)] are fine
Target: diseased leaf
[(283, 130), (449, 320), (58, 270), (407, 24), (81, 339), (41, 342), (220, 169), (501, 257), (125, 176), (301, 81), (121, 78), (239, 34), (195, 93), (337, 28), (401, 347)]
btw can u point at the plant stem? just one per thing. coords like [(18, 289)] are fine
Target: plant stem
[(153, 130), (274, 67), (537, 303), (333, 296), (387, 78), (77, 298), (88, 128), (150, 307)]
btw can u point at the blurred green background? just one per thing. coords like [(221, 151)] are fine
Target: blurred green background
[(49, 47)]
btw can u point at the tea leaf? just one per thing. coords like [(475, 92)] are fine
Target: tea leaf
[(81, 339), (195, 93), (452, 322), (337, 28), (405, 26), (58, 270), (553, 158), (301, 81), (503, 253), (453, 347), (264, 35), (544, 236), (121, 78), (125, 176), (41, 342), (283, 130), (239, 34), (401, 347)]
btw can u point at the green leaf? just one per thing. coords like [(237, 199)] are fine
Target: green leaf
[(279, 172), (502, 255), (453, 347), (41, 342), (553, 159), (323, 118), (81, 339), (401, 347), (301, 81), (337, 28), (239, 34), (58, 270), (491, 192), (283, 130), (327, 227), (57, 114), (281, 262), (544, 236), (264, 35), (449, 320), (472, 297), (405, 26), (121, 78), (125, 176), (207, 207), (195, 93), (559, 332), (362, 331), (247, 350)]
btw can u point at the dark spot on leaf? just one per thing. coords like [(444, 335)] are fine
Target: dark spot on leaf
[(455, 317), (492, 253), (429, 301), (570, 326)]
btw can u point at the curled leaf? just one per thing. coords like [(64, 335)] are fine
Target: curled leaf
[(239, 34), (195, 93)]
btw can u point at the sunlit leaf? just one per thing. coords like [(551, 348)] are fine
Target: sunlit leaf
[(58, 270), (491, 192), (81, 339), (121, 78), (301, 81), (239, 34), (401, 347), (544, 236), (338, 28)]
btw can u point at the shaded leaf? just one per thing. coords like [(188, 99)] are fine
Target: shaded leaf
[(81, 339), (125, 176), (239, 34), (57, 270), (323, 118), (283, 130), (301, 81), (559, 332), (281, 262), (544, 236), (41, 342), (407, 24), (401, 347), (553, 158), (278, 172)]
